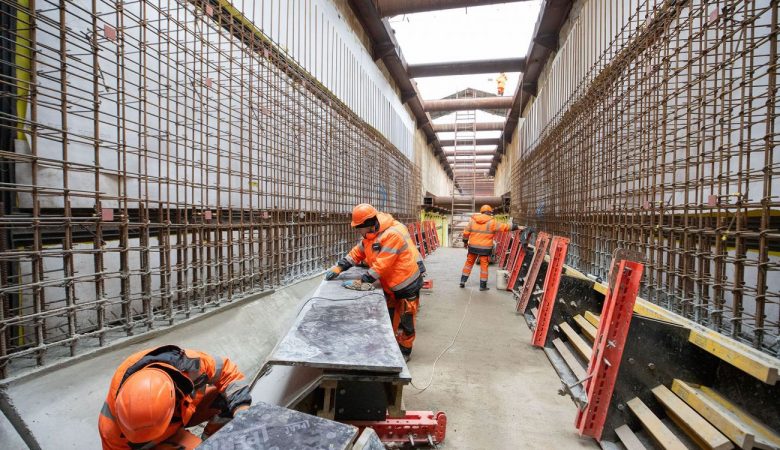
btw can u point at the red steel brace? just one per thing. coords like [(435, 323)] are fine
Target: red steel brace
[(551, 281), (503, 239), (435, 231), (540, 249), (416, 427), (608, 346), (429, 236), (420, 240), (506, 262), (515, 268)]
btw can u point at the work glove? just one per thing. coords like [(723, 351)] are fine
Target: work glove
[(357, 285), (332, 273), (466, 243)]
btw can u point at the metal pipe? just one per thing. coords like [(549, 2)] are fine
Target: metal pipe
[(388, 8), (466, 67)]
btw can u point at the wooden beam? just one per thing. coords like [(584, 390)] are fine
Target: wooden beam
[(690, 421), (576, 340), (588, 330), (572, 361), (737, 425), (592, 318), (628, 438), (662, 435)]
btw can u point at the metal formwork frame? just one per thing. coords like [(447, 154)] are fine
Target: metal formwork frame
[(608, 347), (550, 289), (540, 250)]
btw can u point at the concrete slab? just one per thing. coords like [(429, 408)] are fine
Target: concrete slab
[(270, 427), (61, 406), (498, 391), (343, 329)]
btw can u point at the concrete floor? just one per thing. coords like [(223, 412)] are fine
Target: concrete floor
[(498, 391)]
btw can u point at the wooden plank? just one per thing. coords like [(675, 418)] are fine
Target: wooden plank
[(628, 438), (592, 318), (690, 421), (571, 360), (588, 330), (737, 425), (576, 340), (657, 430)]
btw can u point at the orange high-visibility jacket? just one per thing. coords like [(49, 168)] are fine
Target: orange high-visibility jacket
[(480, 232), (192, 372), (390, 256)]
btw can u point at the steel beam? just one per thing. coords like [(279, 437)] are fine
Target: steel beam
[(483, 141), (388, 8), (461, 104), (484, 126), (466, 67)]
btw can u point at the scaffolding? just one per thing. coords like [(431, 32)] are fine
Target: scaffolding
[(666, 145), (160, 159)]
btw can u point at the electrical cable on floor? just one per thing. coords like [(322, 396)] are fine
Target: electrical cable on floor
[(433, 369)]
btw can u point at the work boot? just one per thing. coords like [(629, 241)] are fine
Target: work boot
[(483, 286), (463, 279), (406, 351)]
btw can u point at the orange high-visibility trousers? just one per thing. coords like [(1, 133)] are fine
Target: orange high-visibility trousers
[(403, 314), (483, 265)]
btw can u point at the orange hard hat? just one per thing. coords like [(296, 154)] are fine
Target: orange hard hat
[(485, 208), (145, 404), (361, 213)]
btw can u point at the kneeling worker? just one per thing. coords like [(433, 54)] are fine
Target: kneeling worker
[(478, 238), (393, 261), (155, 394)]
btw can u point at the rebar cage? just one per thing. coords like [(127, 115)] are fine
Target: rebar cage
[(665, 144), (160, 159)]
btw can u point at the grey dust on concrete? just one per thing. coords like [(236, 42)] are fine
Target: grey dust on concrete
[(497, 390)]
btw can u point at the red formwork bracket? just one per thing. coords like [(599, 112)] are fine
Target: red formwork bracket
[(510, 256), (429, 236), (540, 249), (500, 240), (421, 240), (435, 232), (416, 427), (608, 345), (514, 268), (504, 247), (550, 289)]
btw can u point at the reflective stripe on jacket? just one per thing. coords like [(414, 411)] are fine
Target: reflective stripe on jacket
[(192, 372), (480, 232), (390, 255)]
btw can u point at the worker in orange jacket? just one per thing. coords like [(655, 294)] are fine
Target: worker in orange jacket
[(478, 238), (156, 393), (392, 260), (501, 83)]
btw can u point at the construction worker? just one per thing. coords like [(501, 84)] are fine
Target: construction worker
[(501, 82), (392, 260), (478, 238), (156, 393)]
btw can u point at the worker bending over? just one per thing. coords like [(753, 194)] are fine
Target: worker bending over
[(478, 238), (155, 394), (392, 259)]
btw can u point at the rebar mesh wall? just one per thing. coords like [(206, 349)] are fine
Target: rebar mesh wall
[(160, 159), (666, 145)]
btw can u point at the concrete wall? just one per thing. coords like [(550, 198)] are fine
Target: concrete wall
[(60, 404)]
